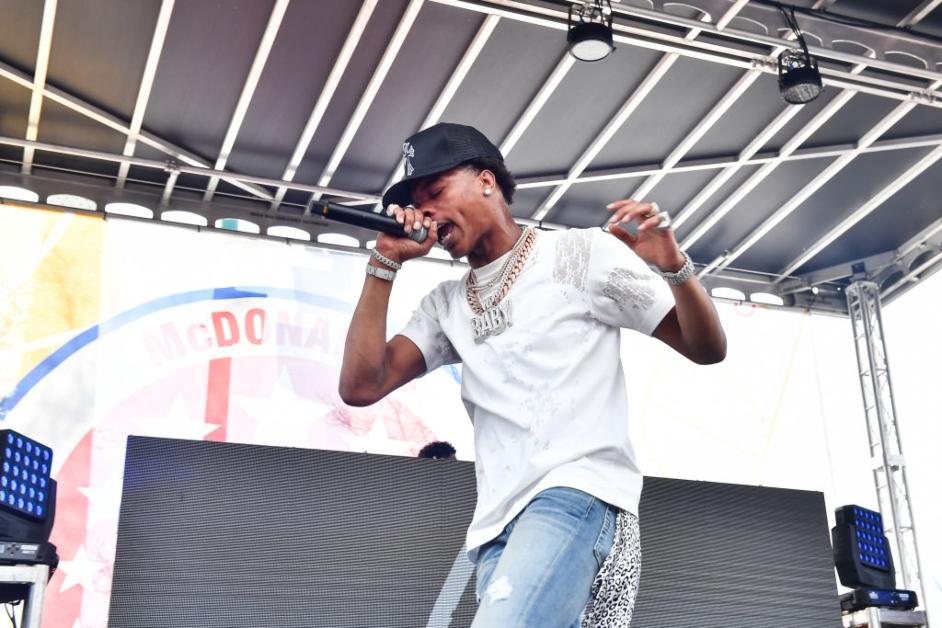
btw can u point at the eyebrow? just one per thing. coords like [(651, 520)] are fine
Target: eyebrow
[(423, 183)]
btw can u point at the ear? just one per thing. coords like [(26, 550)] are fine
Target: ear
[(488, 180)]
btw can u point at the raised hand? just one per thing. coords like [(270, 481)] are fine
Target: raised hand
[(654, 245)]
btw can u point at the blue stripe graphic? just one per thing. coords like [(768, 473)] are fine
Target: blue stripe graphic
[(118, 321)]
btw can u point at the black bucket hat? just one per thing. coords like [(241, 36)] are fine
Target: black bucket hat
[(436, 149)]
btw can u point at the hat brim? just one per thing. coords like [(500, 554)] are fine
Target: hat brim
[(399, 193)]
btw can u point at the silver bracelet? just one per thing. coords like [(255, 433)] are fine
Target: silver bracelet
[(682, 275), (385, 261), (380, 273)]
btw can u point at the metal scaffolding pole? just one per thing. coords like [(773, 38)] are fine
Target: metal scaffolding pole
[(886, 450)]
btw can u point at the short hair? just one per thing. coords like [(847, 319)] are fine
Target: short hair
[(439, 449), (505, 180)]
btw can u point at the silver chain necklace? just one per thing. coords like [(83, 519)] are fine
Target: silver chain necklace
[(496, 314)]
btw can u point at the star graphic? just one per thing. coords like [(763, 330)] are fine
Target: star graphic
[(104, 501), (80, 571), (177, 423)]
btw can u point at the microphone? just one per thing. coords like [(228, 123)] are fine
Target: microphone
[(367, 219)]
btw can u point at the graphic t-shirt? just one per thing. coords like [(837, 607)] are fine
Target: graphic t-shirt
[(547, 395)]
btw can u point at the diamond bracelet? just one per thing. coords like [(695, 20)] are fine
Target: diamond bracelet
[(385, 261)]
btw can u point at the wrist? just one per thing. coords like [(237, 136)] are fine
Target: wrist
[(681, 275), (392, 254), (673, 265), (380, 271)]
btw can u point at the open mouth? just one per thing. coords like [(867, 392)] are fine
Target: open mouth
[(445, 232)]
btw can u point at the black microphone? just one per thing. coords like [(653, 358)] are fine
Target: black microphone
[(366, 219)]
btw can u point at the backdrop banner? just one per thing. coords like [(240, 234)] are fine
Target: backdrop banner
[(110, 328)]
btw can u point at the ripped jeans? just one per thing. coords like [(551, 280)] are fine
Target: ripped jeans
[(538, 573)]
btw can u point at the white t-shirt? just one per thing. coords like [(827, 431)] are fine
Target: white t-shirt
[(547, 396)]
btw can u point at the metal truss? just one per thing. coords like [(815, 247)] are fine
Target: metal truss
[(731, 161), (828, 173), (112, 122), (323, 100), (147, 84), (372, 88), (886, 451), (444, 98), (734, 53), (728, 23), (39, 80), (248, 90), (177, 168)]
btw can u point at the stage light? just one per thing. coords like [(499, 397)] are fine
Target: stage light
[(861, 550), (864, 562), (24, 474), (27, 508), (27, 490), (799, 80), (590, 30)]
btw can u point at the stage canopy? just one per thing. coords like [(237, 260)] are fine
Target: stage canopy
[(147, 103)]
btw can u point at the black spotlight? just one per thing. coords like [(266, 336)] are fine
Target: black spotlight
[(590, 30), (799, 80), (864, 562), (27, 507)]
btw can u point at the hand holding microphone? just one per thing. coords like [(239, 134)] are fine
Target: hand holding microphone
[(405, 233)]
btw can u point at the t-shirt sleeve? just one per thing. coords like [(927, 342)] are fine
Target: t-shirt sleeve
[(623, 289), (425, 330)]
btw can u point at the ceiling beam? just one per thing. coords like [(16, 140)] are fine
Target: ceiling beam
[(820, 52), (39, 80), (147, 83), (912, 276), (871, 136), (811, 187), (862, 211), (799, 138), (372, 88), (868, 139), (241, 180), (323, 100), (720, 108), (696, 134), (631, 105), (248, 91), (101, 116), (732, 161), (723, 53), (444, 98), (919, 13)]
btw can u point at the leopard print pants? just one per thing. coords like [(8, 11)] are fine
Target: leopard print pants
[(616, 585)]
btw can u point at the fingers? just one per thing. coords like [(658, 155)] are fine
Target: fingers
[(432, 238), (619, 231), (628, 210), (409, 217), (636, 217)]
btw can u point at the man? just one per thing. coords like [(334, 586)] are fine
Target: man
[(438, 450), (536, 325)]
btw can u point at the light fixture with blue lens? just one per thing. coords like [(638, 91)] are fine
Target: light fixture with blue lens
[(25, 474), (861, 550)]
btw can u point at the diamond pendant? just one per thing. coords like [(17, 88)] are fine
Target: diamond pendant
[(493, 321)]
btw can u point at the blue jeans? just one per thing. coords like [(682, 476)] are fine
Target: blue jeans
[(538, 573)]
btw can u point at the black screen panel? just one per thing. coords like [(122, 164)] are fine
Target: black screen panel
[(221, 534)]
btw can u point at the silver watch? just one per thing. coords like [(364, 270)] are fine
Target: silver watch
[(682, 275), (380, 273)]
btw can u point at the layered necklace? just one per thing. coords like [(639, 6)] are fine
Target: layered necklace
[(494, 314)]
